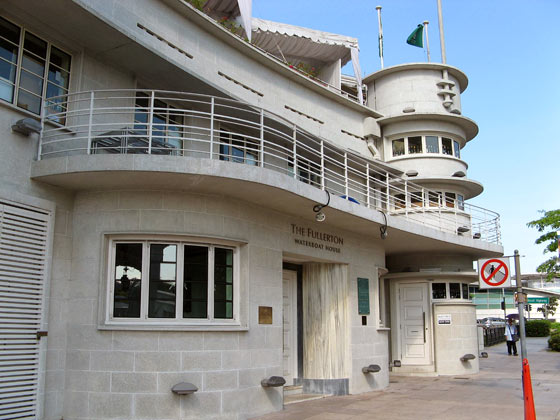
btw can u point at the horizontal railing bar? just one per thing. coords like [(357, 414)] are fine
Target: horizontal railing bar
[(258, 135)]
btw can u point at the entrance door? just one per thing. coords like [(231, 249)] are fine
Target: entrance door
[(289, 323), (415, 331)]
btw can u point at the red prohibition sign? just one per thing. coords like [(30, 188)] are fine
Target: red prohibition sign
[(500, 265)]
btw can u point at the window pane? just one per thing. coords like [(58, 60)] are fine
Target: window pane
[(35, 45), (128, 276), (450, 199), (224, 151), (416, 199), (456, 149), (195, 293), (455, 290), (400, 201), (237, 152), (8, 51), (29, 101), (6, 91), (163, 268), (398, 147), (438, 291), (465, 290), (7, 71), (60, 59), (31, 83), (415, 145), (60, 77), (432, 144), (9, 31), (446, 146), (434, 199), (33, 64), (223, 283), (460, 202)]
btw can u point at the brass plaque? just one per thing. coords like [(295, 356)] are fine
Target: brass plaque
[(265, 314)]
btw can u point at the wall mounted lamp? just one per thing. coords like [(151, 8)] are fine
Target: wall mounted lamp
[(383, 229), (26, 126), (184, 388), (319, 215)]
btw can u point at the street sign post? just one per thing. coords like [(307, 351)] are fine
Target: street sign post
[(494, 273)]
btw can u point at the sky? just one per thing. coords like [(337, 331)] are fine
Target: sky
[(510, 51)]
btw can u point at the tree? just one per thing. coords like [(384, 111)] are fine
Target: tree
[(549, 308), (549, 225)]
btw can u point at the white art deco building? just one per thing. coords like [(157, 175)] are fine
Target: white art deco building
[(188, 218)]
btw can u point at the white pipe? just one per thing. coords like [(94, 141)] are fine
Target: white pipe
[(427, 39), (441, 36), (380, 37)]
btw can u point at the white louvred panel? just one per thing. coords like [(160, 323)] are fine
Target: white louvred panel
[(23, 250)]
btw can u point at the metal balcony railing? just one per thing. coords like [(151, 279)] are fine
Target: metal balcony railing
[(209, 127)]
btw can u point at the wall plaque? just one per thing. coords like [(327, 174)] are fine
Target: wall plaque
[(363, 296), (444, 319), (265, 314)]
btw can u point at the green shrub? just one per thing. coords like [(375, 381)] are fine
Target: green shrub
[(554, 342), (537, 328), (554, 327)]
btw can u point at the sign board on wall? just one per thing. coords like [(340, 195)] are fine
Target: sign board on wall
[(444, 319), (494, 273), (363, 296)]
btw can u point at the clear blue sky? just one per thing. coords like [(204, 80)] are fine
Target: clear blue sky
[(510, 51)]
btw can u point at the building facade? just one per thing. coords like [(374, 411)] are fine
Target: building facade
[(184, 209)]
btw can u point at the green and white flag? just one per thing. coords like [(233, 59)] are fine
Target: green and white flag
[(415, 38)]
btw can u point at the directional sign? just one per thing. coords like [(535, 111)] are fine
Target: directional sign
[(537, 300), (494, 273)]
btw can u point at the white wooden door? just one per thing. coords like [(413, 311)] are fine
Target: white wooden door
[(289, 325), (415, 333), (23, 251)]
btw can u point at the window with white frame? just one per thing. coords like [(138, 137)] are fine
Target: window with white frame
[(32, 70), (420, 199), (450, 290), (414, 145), (172, 282)]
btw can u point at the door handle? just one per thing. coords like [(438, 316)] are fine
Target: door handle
[(424, 325)]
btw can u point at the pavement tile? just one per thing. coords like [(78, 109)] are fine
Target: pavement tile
[(494, 393)]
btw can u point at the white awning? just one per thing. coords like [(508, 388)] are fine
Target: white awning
[(232, 8), (302, 42)]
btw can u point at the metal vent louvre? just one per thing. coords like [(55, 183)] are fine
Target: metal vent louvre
[(23, 250)]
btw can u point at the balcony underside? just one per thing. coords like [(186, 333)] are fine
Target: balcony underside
[(271, 190)]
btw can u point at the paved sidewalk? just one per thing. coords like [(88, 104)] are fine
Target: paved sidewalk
[(495, 393)]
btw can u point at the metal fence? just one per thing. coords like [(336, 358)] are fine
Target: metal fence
[(209, 127), (494, 335)]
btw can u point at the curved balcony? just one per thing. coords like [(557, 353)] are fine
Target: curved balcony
[(198, 126)]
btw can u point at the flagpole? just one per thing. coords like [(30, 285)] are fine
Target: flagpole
[(441, 36), (427, 39), (380, 36)]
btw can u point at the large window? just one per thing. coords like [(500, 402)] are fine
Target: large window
[(157, 281), (32, 70), (439, 199), (425, 144)]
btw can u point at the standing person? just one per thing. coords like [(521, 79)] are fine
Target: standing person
[(511, 337)]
